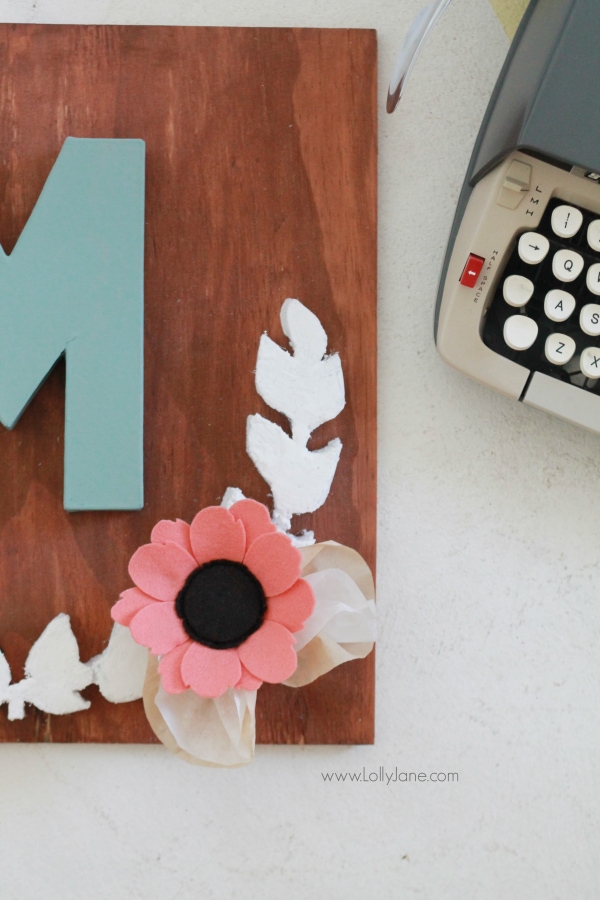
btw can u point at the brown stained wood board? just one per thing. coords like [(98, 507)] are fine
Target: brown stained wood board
[(261, 185)]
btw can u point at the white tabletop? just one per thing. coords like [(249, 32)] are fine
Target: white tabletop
[(489, 656)]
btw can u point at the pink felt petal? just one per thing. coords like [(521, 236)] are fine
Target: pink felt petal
[(158, 627), (293, 607), (254, 517), (274, 561), (269, 653), (129, 603), (210, 672), (178, 532), (248, 682), (215, 534), (170, 669), (160, 570)]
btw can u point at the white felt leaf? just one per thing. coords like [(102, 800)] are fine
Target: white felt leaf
[(305, 387), (300, 479), (54, 673), (120, 670)]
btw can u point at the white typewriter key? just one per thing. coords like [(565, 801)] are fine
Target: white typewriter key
[(559, 348), (517, 290), (589, 362), (520, 332), (567, 265), (559, 305), (593, 235), (566, 221), (592, 279), (589, 319), (533, 248)]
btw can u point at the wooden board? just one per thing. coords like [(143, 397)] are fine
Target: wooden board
[(261, 185)]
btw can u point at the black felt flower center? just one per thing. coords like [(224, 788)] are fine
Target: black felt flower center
[(221, 604)]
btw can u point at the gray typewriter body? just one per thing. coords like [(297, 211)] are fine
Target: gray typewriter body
[(519, 300)]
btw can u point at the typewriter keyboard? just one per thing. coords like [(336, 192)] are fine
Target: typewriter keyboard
[(545, 313)]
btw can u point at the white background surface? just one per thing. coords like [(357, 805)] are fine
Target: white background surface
[(489, 658)]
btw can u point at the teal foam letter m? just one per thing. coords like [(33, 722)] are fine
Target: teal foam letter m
[(74, 285)]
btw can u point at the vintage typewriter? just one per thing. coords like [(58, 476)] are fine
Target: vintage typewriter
[(519, 300)]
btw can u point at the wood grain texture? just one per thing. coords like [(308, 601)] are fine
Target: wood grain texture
[(261, 185)]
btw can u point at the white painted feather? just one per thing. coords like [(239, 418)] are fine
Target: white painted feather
[(54, 674), (120, 670), (232, 495), (5, 677), (300, 479), (303, 330), (307, 387)]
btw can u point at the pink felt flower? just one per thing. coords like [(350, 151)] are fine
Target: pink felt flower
[(218, 600)]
